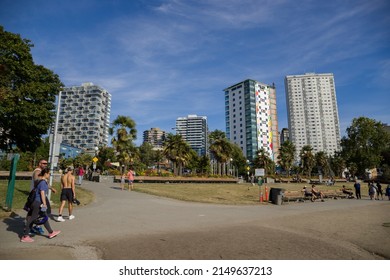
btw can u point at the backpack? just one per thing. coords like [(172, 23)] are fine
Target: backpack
[(31, 197)]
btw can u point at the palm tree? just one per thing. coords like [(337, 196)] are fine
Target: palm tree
[(221, 149), (307, 159), (123, 132), (322, 162), (178, 151), (286, 156), (263, 160)]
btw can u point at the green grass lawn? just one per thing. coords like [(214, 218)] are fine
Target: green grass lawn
[(235, 194), (22, 188)]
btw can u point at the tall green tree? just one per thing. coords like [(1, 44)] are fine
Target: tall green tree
[(263, 160), (307, 159), (177, 151), (221, 149), (365, 143), (124, 133), (322, 163), (338, 164), (238, 159), (27, 94), (147, 154), (286, 156)]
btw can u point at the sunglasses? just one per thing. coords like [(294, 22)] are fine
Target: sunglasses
[(43, 162)]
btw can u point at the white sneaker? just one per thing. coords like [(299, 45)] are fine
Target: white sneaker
[(71, 217), (60, 219)]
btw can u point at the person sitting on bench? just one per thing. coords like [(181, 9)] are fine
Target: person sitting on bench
[(306, 192), (347, 192), (316, 194)]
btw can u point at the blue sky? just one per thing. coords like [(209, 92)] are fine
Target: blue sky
[(163, 59)]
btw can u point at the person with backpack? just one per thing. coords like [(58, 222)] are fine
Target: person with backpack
[(42, 163), (38, 207)]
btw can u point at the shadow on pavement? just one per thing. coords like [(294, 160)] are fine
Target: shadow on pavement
[(15, 223)]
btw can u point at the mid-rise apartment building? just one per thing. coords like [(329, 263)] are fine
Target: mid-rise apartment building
[(312, 112), (284, 136), (251, 118), (84, 116), (154, 136), (194, 130)]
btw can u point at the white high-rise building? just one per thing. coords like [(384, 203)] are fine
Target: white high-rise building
[(84, 116), (312, 112), (251, 118), (194, 131)]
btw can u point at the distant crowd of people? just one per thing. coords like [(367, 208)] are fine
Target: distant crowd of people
[(375, 191)]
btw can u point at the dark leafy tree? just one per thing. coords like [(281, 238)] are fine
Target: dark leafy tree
[(307, 159), (365, 143), (286, 156), (263, 160), (27, 95), (177, 151), (322, 163)]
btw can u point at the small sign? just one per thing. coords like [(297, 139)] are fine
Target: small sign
[(259, 172), (95, 159)]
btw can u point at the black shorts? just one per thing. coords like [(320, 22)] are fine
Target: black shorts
[(67, 194)]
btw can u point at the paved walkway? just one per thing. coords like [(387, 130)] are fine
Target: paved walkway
[(131, 225)]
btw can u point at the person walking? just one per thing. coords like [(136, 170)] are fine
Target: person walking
[(387, 193), (80, 175), (372, 190), (130, 177), (68, 193), (379, 190), (42, 164), (39, 207), (357, 190), (123, 179)]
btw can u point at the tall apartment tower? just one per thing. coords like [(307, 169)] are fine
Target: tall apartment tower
[(251, 118), (84, 116), (154, 136), (312, 112), (194, 131)]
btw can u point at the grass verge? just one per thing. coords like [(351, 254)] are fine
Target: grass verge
[(234, 194), (22, 188)]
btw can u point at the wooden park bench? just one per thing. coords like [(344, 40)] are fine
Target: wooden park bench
[(293, 196)]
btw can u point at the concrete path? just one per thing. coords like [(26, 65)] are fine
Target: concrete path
[(131, 225)]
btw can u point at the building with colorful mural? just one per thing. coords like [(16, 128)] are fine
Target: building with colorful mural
[(251, 118)]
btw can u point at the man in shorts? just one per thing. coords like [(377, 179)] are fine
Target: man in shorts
[(316, 194), (68, 193)]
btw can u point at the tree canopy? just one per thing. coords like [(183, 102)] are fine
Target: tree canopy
[(124, 132), (365, 143), (27, 94)]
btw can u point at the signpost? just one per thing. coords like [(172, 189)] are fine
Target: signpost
[(95, 160)]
